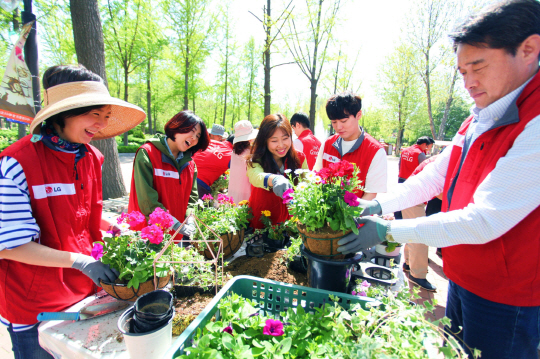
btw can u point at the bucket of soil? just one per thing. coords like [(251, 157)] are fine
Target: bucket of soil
[(149, 345), (231, 244), (322, 242), (330, 274), (120, 290)]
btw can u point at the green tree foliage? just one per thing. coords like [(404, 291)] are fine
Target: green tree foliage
[(57, 39)]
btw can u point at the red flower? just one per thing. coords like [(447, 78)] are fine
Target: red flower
[(161, 218), (228, 330), (54, 139), (135, 218)]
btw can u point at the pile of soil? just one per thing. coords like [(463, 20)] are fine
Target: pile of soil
[(187, 309), (270, 266)]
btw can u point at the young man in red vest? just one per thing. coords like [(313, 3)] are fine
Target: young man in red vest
[(351, 143), (490, 233), (306, 141)]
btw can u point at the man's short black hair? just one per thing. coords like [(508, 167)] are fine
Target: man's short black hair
[(343, 105), (425, 139), (504, 25), (300, 118)]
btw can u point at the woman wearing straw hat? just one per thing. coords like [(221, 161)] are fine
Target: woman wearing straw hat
[(164, 174), (239, 186), (51, 203)]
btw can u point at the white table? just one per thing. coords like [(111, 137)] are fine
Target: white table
[(91, 338)]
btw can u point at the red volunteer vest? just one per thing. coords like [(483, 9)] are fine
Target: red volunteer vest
[(173, 188), (67, 205), (213, 162), (409, 161), (505, 270), (263, 200), (311, 147), (361, 157)]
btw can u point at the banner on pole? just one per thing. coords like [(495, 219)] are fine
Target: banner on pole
[(16, 94)]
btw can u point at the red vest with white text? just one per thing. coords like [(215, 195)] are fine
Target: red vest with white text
[(507, 269), (265, 200), (67, 204), (361, 157), (213, 162), (173, 188), (409, 161), (311, 147)]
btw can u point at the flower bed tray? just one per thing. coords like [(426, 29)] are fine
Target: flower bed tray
[(273, 297)]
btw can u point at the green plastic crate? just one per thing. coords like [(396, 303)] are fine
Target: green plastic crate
[(274, 297)]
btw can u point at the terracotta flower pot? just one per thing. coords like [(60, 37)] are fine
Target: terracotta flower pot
[(231, 245), (322, 242), (122, 292)]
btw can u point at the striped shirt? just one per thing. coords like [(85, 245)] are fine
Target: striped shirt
[(505, 197), (17, 225)]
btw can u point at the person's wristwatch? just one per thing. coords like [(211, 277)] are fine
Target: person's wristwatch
[(389, 236)]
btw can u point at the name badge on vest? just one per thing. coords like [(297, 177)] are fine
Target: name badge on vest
[(53, 189), (330, 158), (168, 174)]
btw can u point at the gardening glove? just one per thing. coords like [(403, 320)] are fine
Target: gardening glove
[(372, 231), (95, 270), (280, 184), (189, 227), (370, 207)]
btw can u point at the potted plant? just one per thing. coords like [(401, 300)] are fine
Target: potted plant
[(325, 206), (275, 236), (132, 254), (388, 248), (225, 219), (293, 257), (220, 185)]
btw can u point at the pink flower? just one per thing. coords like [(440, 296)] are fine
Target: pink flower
[(365, 284), (207, 197), (228, 330), (287, 196), (353, 292), (273, 327), (97, 251), (362, 294), (152, 233), (161, 218), (122, 218), (135, 218), (351, 199), (225, 199)]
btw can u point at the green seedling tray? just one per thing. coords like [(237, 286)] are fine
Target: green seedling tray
[(273, 297)]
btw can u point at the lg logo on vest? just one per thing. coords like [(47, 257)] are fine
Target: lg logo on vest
[(53, 189), (407, 158)]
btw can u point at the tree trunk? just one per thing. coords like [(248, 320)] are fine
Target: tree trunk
[(21, 127), (126, 96), (428, 93), (186, 81), (88, 36), (267, 68), (442, 127), (312, 104), (314, 79), (249, 96), (149, 99)]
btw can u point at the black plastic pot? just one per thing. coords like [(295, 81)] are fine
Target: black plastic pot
[(189, 291), (298, 264), (152, 310), (332, 275), (273, 245)]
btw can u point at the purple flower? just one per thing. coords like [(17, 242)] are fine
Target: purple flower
[(97, 251), (273, 327), (351, 199), (228, 329)]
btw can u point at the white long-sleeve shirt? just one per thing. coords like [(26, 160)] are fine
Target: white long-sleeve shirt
[(505, 197)]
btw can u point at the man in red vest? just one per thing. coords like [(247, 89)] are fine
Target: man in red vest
[(211, 164), (410, 158), (489, 230), (351, 143), (306, 141)]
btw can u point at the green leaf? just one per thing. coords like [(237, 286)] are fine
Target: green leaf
[(285, 346)]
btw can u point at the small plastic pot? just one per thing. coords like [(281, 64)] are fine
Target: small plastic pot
[(152, 310), (299, 264)]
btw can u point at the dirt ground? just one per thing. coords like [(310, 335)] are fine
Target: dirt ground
[(270, 266)]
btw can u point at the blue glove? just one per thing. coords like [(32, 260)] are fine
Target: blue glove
[(280, 184), (95, 270), (370, 207), (371, 233)]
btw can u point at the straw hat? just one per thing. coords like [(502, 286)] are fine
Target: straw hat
[(243, 131), (71, 95)]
